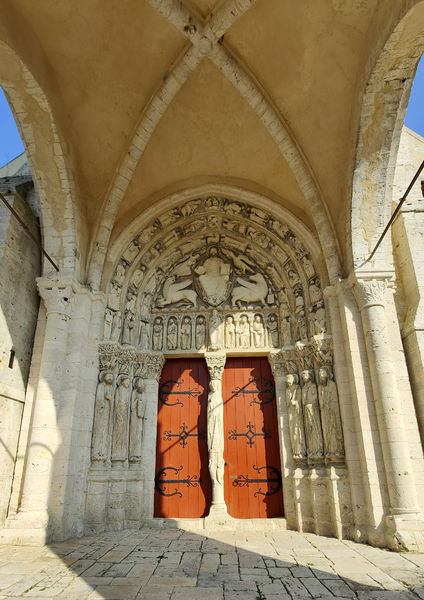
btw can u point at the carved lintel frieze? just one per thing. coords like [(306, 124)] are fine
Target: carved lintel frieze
[(370, 292), (216, 364), (276, 360)]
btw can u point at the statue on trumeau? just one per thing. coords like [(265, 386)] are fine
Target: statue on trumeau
[(314, 439), (212, 277), (230, 332), (102, 413), (186, 333), (200, 332), (120, 419), (294, 407), (215, 436), (258, 332), (330, 414), (172, 334), (157, 334), (138, 408), (214, 331)]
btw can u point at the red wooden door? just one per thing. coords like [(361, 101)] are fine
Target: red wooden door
[(182, 482), (253, 473)]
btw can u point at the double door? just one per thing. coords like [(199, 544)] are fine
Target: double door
[(252, 477)]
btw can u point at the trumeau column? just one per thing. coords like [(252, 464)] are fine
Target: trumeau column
[(215, 433), (405, 524)]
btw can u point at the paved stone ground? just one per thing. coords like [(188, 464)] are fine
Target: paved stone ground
[(162, 564)]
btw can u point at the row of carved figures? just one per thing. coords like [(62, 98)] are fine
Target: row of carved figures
[(184, 332), (314, 416), (118, 418)]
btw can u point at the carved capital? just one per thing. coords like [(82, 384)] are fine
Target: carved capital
[(276, 360), (57, 296), (216, 364), (149, 366), (323, 350), (107, 356), (370, 292), (305, 355)]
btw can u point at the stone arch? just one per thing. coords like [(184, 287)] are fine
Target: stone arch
[(383, 111), (40, 135), (212, 272)]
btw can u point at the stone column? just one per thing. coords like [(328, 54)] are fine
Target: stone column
[(292, 504), (215, 435), (405, 524), (151, 369)]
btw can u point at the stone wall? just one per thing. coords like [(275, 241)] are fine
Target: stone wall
[(19, 301)]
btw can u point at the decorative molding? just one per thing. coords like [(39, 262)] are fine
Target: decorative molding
[(277, 362)]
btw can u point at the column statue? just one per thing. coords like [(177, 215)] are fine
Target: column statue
[(313, 430), (120, 419), (294, 406), (330, 414), (102, 411), (138, 408)]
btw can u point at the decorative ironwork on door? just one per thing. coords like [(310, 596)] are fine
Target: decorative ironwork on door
[(252, 484), (182, 482)]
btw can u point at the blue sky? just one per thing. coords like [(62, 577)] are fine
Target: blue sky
[(11, 145)]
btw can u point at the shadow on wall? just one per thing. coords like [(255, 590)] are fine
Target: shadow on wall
[(243, 563)]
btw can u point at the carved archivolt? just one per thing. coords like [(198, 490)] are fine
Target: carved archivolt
[(214, 274)]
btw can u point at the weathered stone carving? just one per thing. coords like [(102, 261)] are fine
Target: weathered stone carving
[(215, 427), (131, 251), (128, 328), (186, 333), (273, 330), (120, 419), (370, 292), (311, 413), (230, 332), (107, 326), (213, 278), (243, 332), (251, 291), (119, 275), (294, 406), (102, 412), (286, 333), (330, 414), (258, 332), (315, 294), (138, 407), (319, 319), (200, 332), (144, 335), (157, 334), (172, 334), (174, 292), (114, 297), (214, 331), (116, 326), (138, 276), (308, 266)]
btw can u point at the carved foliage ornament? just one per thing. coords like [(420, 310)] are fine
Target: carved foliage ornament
[(370, 292), (216, 364)]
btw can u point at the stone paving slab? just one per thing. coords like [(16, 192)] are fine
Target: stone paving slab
[(174, 564)]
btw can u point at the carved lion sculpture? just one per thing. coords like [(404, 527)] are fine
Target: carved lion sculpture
[(254, 290)]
